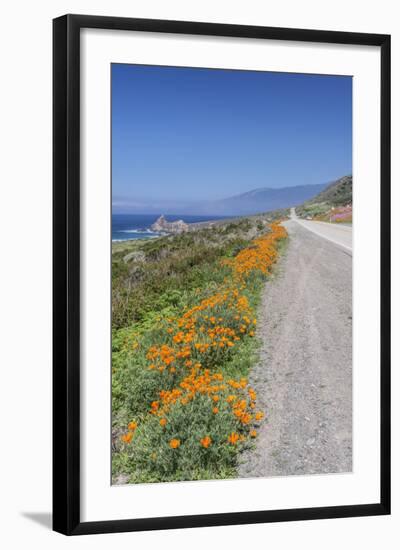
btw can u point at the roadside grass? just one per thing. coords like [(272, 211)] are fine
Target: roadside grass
[(333, 204), (182, 407), (325, 212)]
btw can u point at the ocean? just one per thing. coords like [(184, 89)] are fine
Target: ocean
[(137, 226)]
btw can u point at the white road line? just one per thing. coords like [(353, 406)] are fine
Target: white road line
[(337, 226), (314, 230)]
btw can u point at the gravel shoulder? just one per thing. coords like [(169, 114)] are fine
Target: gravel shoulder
[(304, 376)]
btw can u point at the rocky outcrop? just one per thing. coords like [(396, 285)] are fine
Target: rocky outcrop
[(136, 256), (162, 225)]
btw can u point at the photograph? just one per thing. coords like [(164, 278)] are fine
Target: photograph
[(199, 328), (231, 274)]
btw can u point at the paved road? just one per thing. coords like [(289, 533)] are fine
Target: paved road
[(304, 377), (339, 234)]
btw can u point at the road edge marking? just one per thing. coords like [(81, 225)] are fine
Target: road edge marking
[(341, 245)]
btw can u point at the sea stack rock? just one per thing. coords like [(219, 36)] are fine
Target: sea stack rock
[(162, 225)]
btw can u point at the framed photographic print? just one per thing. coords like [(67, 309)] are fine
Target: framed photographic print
[(221, 274)]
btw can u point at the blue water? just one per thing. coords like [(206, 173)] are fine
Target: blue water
[(137, 226)]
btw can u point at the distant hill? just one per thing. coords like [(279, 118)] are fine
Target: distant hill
[(338, 193), (257, 201), (261, 200), (335, 196)]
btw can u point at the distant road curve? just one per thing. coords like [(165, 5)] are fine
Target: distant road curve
[(341, 235)]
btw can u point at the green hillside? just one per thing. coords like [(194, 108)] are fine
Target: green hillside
[(338, 194)]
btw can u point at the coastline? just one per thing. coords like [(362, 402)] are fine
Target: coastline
[(132, 227), (192, 226)]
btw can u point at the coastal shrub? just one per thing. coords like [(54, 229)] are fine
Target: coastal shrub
[(182, 405), (190, 438), (140, 289)]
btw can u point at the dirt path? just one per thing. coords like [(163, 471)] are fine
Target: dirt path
[(304, 378)]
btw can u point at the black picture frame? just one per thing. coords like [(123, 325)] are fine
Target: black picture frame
[(66, 273)]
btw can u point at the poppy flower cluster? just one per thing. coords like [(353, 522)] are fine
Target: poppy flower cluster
[(260, 256), (197, 342)]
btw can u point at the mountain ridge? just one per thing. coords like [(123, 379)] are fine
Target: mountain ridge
[(254, 201), (266, 199)]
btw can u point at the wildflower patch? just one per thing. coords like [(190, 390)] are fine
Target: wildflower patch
[(192, 417)]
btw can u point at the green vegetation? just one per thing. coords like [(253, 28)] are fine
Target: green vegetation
[(183, 343), (151, 275), (337, 195)]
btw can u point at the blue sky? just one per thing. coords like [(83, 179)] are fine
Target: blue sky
[(194, 134)]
